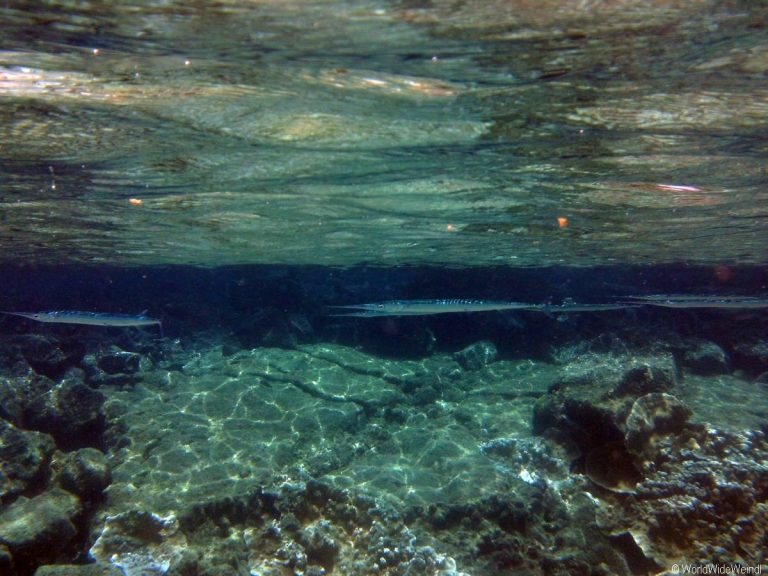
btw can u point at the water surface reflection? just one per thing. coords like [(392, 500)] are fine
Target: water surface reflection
[(384, 133)]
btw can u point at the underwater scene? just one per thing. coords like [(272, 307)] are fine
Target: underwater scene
[(383, 287)]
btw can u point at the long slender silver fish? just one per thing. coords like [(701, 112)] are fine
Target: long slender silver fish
[(701, 301), (88, 318), (427, 307), (566, 307)]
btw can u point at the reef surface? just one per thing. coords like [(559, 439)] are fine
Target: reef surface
[(124, 452)]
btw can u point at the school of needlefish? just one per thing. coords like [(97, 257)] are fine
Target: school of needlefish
[(428, 308), (447, 306)]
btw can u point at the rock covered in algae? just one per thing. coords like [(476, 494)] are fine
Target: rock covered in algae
[(612, 415), (115, 367), (301, 528), (71, 412), (68, 410), (49, 356), (651, 418), (49, 526), (118, 361), (704, 357), (40, 528), (312, 528), (665, 485), (589, 404), (702, 500), (84, 472), (139, 543), (752, 355), (46, 496), (477, 355), (24, 460)]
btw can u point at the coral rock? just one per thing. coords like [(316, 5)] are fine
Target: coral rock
[(705, 358), (84, 472), (140, 543), (477, 355), (24, 459), (71, 413), (40, 528)]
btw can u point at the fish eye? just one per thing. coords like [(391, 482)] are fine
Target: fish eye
[(380, 306)]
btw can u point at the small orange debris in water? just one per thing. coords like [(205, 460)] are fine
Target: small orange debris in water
[(450, 228), (562, 222), (136, 201), (723, 273)]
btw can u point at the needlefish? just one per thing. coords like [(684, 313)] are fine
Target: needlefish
[(89, 318), (447, 306), (427, 307), (701, 301)]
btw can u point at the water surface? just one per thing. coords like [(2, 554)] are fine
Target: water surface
[(386, 133)]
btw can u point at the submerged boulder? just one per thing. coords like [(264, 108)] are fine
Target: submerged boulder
[(665, 486), (652, 417), (115, 366), (24, 460), (140, 543), (590, 401), (751, 355), (702, 500), (704, 357), (40, 529), (646, 379), (612, 414), (19, 393), (120, 362), (477, 355), (84, 472), (51, 357), (71, 412), (11, 400)]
